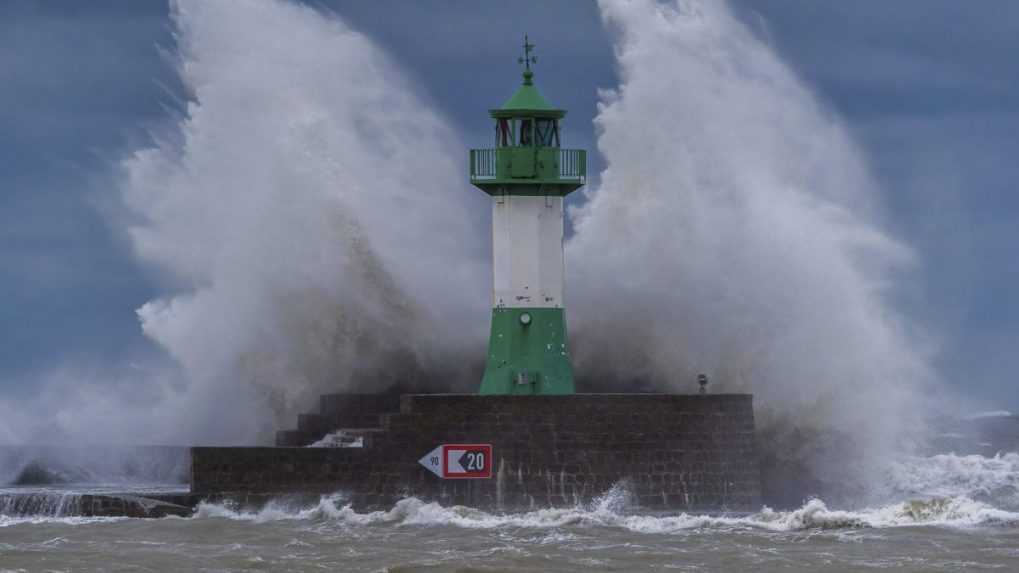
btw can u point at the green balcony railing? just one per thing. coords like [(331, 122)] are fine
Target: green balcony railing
[(573, 164), (526, 164), (483, 164)]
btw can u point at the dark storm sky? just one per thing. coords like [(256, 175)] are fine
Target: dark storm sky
[(930, 89)]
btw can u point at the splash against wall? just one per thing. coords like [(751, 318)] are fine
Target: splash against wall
[(311, 215), (737, 232)]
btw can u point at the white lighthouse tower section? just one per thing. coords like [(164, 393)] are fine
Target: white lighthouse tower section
[(527, 245)]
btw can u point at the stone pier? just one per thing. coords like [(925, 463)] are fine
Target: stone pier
[(676, 452)]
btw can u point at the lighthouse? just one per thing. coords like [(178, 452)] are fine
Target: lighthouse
[(527, 420), (528, 175)]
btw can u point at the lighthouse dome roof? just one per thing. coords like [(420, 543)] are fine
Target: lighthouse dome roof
[(527, 101), (527, 97)]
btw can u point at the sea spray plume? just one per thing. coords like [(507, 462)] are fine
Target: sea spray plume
[(78, 404), (304, 210), (736, 232)]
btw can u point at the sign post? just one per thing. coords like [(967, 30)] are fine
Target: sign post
[(460, 461)]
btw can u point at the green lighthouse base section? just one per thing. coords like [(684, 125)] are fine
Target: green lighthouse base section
[(527, 353)]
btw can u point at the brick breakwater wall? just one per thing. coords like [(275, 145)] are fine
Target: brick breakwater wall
[(679, 452)]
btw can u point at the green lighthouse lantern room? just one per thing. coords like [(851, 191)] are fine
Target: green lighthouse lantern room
[(527, 174)]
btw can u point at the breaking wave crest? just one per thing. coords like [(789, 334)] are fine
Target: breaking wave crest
[(814, 514), (614, 510), (942, 490), (992, 479)]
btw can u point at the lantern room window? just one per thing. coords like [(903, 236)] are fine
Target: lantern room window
[(503, 133), (526, 132), (547, 132)]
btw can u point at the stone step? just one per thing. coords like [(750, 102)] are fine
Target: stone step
[(331, 405), (339, 411), (363, 436), (360, 420), (300, 439), (312, 424), (292, 439)]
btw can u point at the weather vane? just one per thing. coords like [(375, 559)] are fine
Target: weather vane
[(528, 59)]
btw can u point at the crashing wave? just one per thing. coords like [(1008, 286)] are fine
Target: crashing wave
[(45, 507), (992, 479), (613, 510)]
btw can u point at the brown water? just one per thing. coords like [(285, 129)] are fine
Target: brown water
[(939, 535)]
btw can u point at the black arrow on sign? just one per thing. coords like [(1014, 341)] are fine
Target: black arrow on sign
[(464, 463)]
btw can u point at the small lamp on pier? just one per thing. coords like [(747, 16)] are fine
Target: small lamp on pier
[(702, 379)]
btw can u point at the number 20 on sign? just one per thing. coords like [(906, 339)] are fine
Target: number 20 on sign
[(460, 461)]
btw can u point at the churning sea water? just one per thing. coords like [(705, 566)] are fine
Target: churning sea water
[(970, 524), (723, 160)]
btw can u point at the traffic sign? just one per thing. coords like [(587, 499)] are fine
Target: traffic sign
[(460, 461)]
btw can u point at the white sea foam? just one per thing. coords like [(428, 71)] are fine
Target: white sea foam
[(330, 507), (813, 515)]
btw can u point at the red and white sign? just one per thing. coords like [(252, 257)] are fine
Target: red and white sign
[(460, 461)]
